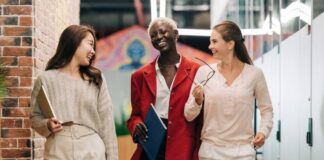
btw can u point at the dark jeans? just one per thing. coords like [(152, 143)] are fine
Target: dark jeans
[(161, 154)]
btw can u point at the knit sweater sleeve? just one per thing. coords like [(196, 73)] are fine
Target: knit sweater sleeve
[(38, 121), (107, 126)]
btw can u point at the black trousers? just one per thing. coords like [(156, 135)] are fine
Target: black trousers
[(161, 154)]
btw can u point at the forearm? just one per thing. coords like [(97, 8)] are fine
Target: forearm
[(110, 140), (192, 109), (40, 126), (266, 123), (107, 130), (132, 122), (37, 120), (136, 115)]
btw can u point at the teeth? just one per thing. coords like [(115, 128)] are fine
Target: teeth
[(161, 43)]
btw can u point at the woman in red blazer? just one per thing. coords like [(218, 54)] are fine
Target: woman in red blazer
[(166, 83)]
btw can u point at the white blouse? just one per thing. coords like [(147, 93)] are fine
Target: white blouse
[(228, 110), (163, 92)]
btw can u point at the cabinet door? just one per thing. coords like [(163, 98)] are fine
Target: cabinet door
[(305, 92), (318, 87), (294, 95), (270, 65)]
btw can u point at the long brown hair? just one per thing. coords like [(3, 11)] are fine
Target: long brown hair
[(230, 31), (69, 41)]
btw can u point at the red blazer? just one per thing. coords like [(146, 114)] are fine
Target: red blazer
[(183, 137)]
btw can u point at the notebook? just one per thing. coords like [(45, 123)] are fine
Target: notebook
[(156, 133), (44, 103), (46, 107)]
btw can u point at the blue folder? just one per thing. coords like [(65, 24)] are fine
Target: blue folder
[(156, 133)]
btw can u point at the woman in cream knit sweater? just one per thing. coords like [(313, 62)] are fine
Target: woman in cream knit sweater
[(78, 93)]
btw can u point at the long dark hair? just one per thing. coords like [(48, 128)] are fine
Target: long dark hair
[(230, 31), (69, 41)]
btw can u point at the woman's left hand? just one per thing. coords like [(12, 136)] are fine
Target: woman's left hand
[(258, 140), (198, 93)]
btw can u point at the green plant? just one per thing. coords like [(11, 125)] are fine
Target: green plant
[(3, 72)]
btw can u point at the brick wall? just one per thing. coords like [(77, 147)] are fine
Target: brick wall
[(29, 33)]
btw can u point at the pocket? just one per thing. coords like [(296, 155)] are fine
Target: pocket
[(202, 153), (50, 148), (247, 151), (97, 148), (206, 151)]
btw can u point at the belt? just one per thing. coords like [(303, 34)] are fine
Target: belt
[(68, 123), (75, 131)]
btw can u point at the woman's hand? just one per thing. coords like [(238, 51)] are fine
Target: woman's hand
[(198, 93), (258, 140), (140, 133), (54, 125)]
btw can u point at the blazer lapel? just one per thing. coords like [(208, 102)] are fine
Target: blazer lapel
[(150, 77), (184, 70)]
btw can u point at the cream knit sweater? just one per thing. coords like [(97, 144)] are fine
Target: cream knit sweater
[(77, 101)]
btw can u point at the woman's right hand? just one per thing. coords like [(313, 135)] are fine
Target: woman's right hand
[(198, 93), (54, 125), (140, 132)]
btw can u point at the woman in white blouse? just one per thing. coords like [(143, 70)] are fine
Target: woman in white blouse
[(226, 91)]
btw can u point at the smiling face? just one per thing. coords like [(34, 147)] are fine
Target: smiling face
[(219, 47), (163, 37), (85, 52)]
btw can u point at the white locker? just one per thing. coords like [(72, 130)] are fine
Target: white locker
[(318, 88), (270, 66), (295, 93)]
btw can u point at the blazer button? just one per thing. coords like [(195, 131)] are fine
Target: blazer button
[(170, 122)]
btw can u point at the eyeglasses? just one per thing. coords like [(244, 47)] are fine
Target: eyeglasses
[(209, 75)]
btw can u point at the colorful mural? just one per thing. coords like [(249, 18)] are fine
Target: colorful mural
[(115, 50)]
